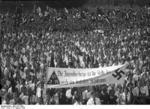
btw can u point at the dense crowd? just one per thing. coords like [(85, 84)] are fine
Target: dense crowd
[(74, 38)]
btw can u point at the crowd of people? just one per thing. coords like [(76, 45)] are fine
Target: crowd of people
[(74, 38)]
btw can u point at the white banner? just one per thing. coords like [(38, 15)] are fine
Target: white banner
[(79, 77)]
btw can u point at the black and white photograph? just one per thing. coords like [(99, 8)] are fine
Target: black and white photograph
[(74, 52)]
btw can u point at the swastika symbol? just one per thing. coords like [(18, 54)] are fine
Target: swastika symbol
[(118, 74)]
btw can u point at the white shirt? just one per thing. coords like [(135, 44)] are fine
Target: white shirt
[(91, 101), (66, 60), (135, 91), (68, 93), (10, 90), (23, 50), (122, 98), (23, 75), (25, 99), (32, 86), (3, 102), (42, 66), (135, 76), (25, 60), (84, 94), (38, 92), (5, 71), (77, 103), (144, 90), (16, 63), (81, 61)]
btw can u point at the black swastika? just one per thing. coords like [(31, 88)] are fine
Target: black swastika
[(118, 74)]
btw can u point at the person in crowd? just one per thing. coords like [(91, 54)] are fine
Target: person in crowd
[(112, 97), (104, 96), (93, 100), (73, 38), (69, 96)]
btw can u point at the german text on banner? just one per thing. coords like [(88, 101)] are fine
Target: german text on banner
[(79, 77)]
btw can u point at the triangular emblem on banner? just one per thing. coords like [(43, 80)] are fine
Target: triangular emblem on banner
[(53, 79)]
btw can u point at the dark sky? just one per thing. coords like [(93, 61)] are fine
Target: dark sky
[(10, 4), (53, 3)]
